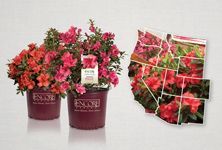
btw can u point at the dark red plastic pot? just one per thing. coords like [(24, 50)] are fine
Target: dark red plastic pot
[(42, 104), (88, 111)]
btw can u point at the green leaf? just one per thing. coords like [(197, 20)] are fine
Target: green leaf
[(199, 115), (198, 52), (194, 117)]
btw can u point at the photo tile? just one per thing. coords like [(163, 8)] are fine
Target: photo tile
[(153, 78), (168, 109), (147, 52), (191, 111), (173, 84), (191, 67), (166, 60), (150, 37), (196, 88), (186, 46)]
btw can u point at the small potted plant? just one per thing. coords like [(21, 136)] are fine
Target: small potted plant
[(32, 71), (92, 65)]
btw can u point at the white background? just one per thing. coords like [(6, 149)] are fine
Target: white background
[(127, 125)]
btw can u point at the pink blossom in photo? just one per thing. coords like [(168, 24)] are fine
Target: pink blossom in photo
[(90, 61)]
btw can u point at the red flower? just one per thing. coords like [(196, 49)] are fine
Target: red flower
[(32, 46), (192, 103), (43, 79), (26, 81), (12, 70), (37, 68), (153, 83), (169, 76), (17, 60), (32, 63), (179, 81), (37, 55), (169, 112)]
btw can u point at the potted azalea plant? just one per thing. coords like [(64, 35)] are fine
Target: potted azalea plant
[(97, 70), (90, 64), (31, 71)]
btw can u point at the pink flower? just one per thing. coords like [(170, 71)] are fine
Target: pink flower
[(113, 78), (68, 60), (70, 36), (50, 56), (107, 35), (96, 46), (90, 61), (64, 86), (103, 72), (114, 51), (80, 88), (62, 74)]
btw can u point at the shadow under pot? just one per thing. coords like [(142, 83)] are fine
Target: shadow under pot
[(42, 104), (88, 111)]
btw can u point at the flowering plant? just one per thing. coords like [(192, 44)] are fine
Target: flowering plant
[(31, 69), (57, 64), (166, 76), (100, 49)]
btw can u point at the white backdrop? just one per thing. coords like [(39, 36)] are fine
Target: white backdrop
[(127, 126)]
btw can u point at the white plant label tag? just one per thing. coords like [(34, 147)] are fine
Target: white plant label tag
[(89, 75)]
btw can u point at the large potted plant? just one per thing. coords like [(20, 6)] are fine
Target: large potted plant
[(92, 63), (32, 71)]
